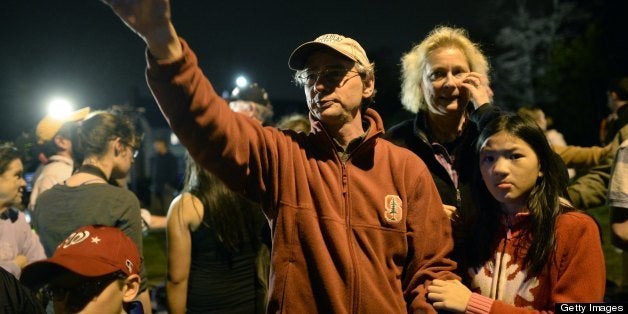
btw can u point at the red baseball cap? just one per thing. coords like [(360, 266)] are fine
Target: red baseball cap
[(90, 251)]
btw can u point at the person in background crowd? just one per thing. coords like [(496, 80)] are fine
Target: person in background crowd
[(55, 137), (618, 203), (357, 224), (251, 101), (445, 82), (19, 246), (530, 249), (218, 262), (213, 243), (94, 270), (617, 94), (164, 174), (108, 143), (591, 189), (554, 137), (296, 122)]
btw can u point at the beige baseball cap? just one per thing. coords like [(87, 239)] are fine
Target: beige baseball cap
[(344, 45), (48, 127)]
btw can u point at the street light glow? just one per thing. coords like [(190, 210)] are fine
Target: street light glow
[(60, 108), (241, 81)]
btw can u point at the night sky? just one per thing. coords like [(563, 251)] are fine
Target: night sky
[(80, 50)]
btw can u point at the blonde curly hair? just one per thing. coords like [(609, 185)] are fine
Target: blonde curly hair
[(415, 95)]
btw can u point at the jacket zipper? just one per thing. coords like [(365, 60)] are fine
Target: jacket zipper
[(354, 284), (345, 192), (458, 199)]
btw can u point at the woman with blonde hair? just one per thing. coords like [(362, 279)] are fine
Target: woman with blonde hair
[(445, 82)]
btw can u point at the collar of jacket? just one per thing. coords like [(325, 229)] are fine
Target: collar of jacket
[(420, 126), (370, 116)]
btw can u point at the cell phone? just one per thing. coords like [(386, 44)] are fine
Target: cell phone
[(134, 307)]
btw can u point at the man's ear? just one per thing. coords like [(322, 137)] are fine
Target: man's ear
[(62, 142), (118, 147), (369, 87), (131, 288)]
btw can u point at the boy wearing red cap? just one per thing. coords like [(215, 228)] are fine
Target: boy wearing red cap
[(95, 270)]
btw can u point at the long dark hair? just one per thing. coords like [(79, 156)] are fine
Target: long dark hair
[(544, 202), (235, 221)]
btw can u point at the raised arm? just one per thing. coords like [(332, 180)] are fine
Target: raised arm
[(150, 19)]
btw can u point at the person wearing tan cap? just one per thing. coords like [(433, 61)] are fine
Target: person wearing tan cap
[(94, 270), (55, 136), (357, 223)]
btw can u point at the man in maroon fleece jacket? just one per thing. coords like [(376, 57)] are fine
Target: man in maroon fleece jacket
[(357, 224)]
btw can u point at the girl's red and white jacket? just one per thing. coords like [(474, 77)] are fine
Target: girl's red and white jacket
[(576, 271)]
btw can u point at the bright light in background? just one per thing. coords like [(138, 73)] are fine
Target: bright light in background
[(241, 81), (174, 140), (60, 108)]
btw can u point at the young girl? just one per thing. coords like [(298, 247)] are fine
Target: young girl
[(529, 248)]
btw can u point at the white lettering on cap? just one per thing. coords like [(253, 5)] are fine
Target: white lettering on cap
[(129, 265), (75, 238), (330, 38)]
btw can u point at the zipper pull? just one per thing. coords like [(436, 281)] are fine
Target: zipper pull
[(458, 199)]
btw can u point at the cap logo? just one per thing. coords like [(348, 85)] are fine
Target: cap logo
[(330, 38), (129, 265), (75, 238), (394, 208)]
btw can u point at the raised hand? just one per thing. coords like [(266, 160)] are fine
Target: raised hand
[(478, 88), (150, 19)]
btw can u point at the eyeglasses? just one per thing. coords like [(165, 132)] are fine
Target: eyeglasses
[(329, 77), (135, 149)]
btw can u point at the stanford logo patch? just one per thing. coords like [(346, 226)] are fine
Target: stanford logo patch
[(394, 208)]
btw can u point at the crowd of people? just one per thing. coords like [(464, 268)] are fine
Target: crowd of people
[(465, 208)]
